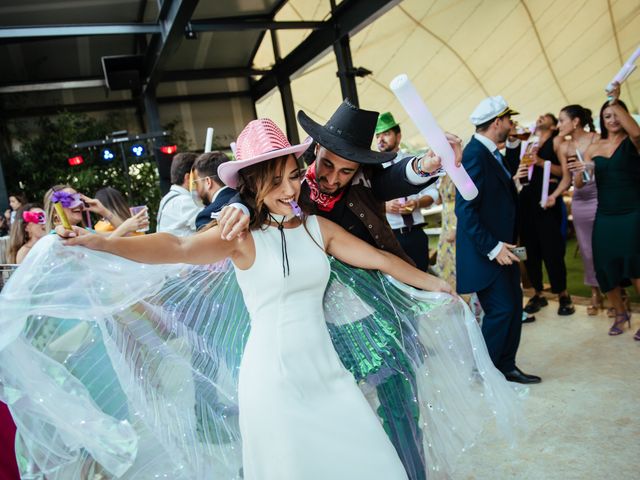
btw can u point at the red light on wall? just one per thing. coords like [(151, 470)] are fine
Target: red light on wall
[(75, 161), (169, 149)]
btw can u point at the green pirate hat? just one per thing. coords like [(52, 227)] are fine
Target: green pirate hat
[(385, 122)]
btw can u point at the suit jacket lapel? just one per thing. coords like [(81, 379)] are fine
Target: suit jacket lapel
[(497, 169)]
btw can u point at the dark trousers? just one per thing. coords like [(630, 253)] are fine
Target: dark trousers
[(502, 323), (415, 244), (541, 234)]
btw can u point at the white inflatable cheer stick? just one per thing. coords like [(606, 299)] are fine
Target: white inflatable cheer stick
[(626, 70), (209, 141), (546, 174), (585, 175), (410, 100)]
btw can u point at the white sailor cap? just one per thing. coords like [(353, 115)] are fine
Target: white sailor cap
[(490, 108)]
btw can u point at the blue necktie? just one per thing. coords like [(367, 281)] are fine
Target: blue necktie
[(498, 155)]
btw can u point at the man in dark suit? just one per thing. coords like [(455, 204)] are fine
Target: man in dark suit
[(213, 193), (486, 233)]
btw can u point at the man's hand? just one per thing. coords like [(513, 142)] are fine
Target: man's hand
[(505, 257), (456, 145), (393, 206), (432, 162), (233, 223), (76, 232)]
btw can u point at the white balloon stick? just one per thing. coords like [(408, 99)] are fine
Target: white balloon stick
[(209, 141), (411, 101), (585, 175), (626, 70), (546, 175)]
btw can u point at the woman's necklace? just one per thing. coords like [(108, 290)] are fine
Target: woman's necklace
[(279, 221)]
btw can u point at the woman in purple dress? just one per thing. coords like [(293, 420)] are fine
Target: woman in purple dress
[(575, 124)]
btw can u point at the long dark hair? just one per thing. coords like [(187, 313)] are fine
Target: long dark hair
[(18, 235), (256, 182), (604, 133), (583, 115), (114, 201)]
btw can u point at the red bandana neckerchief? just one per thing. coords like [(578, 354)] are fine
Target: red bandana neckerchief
[(323, 201)]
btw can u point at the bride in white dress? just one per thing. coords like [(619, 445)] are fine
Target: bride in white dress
[(302, 416)]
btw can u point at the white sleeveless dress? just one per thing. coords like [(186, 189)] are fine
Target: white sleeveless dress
[(302, 416)]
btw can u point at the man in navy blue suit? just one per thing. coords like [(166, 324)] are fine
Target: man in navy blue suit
[(486, 233), (211, 190)]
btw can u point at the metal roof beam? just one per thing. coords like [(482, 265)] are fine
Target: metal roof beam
[(62, 85), (38, 111), (79, 30), (232, 25), (349, 18), (211, 73), (169, 76), (175, 14)]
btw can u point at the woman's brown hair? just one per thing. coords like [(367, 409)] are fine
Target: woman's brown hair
[(256, 182), (18, 235)]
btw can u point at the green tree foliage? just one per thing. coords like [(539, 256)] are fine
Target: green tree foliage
[(41, 160)]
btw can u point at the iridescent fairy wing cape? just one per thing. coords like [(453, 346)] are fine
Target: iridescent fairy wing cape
[(125, 370)]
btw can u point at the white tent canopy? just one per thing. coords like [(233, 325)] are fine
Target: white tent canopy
[(539, 54)]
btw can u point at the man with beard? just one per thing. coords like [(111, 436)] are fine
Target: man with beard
[(347, 184), (486, 235), (403, 214), (212, 192)]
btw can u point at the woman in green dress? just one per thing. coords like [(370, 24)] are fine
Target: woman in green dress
[(616, 232)]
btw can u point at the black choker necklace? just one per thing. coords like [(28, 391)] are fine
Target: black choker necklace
[(283, 241)]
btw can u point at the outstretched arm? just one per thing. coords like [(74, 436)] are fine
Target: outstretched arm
[(626, 120), (358, 253), (200, 249)]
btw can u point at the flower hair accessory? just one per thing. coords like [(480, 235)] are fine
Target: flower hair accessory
[(38, 218), (66, 199)]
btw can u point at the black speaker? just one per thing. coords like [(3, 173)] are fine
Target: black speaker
[(123, 72)]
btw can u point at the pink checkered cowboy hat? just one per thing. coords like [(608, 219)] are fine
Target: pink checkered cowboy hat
[(260, 140)]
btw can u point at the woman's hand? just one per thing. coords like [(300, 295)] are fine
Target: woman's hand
[(451, 236), (95, 206), (614, 93), (551, 201), (575, 166), (435, 284), (140, 221), (522, 172)]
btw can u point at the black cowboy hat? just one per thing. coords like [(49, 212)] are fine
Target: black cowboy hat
[(348, 134)]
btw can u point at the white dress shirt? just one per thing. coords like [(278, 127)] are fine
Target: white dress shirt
[(395, 220), (177, 212)]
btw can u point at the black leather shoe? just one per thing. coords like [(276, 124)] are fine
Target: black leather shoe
[(566, 306), (535, 303), (529, 319), (518, 376)]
